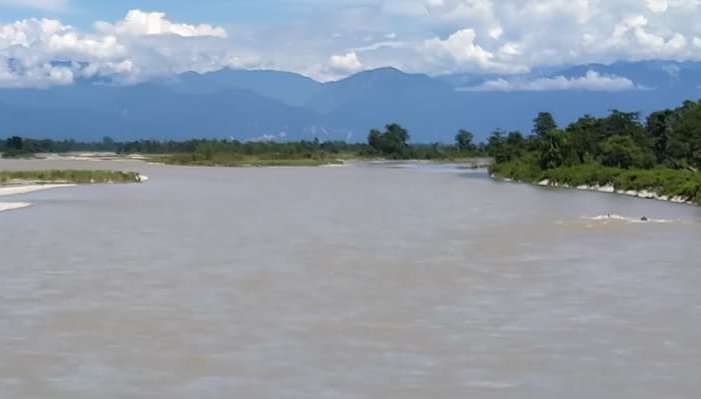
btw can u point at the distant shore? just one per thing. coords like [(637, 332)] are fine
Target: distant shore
[(254, 162)]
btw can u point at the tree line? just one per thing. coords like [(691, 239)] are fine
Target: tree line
[(392, 143), (660, 154), (669, 138)]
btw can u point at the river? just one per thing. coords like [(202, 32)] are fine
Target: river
[(365, 281)]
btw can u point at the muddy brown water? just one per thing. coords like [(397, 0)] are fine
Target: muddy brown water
[(366, 281)]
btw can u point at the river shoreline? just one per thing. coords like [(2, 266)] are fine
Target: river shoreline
[(24, 189), (11, 206), (29, 188), (605, 188)]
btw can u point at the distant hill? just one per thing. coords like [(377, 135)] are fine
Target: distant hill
[(287, 87), (146, 111), (649, 74), (252, 104)]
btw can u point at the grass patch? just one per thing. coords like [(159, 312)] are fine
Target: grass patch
[(69, 176), (237, 160)]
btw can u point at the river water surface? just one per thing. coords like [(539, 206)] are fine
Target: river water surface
[(385, 281)]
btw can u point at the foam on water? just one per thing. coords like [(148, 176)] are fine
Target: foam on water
[(626, 219)]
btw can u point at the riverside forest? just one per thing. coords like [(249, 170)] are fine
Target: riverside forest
[(661, 154)]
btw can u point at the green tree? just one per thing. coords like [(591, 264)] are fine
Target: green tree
[(463, 140), (108, 144), (497, 147), (622, 124), (207, 150), (375, 140), (685, 137), (622, 152), (585, 136), (393, 142), (659, 127), (397, 134), (553, 149), (15, 143), (543, 123)]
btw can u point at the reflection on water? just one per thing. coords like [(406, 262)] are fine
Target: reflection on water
[(355, 282)]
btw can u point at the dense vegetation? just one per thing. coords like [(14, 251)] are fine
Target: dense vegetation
[(662, 154), (391, 144), (234, 153), (18, 147), (68, 176)]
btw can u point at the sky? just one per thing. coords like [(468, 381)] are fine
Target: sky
[(56, 42)]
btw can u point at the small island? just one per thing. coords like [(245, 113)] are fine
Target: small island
[(14, 178), (656, 159), (24, 182), (390, 144)]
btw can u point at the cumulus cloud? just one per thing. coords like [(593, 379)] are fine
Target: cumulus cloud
[(591, 81), (634, 35), (426, 36), (459, 50), (346, 63), (43, 75), (45, 52), (139, 23), (510, 35), (460, 47)]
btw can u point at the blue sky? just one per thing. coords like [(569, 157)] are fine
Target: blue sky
[(83, 13), (329, 39)]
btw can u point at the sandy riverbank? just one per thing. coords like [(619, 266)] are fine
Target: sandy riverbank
[(609, 188), (9, 206), (29, 188), (24, 189)]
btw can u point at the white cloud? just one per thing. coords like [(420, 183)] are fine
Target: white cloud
[(43, 75), (460, 51), (138, 22), (657, 5), (347, 63), (137, 48), (591, 81), (461, 48), (634, 36), (427, 36), (509, 35)]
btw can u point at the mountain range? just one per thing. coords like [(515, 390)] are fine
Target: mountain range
[(257, 104)]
